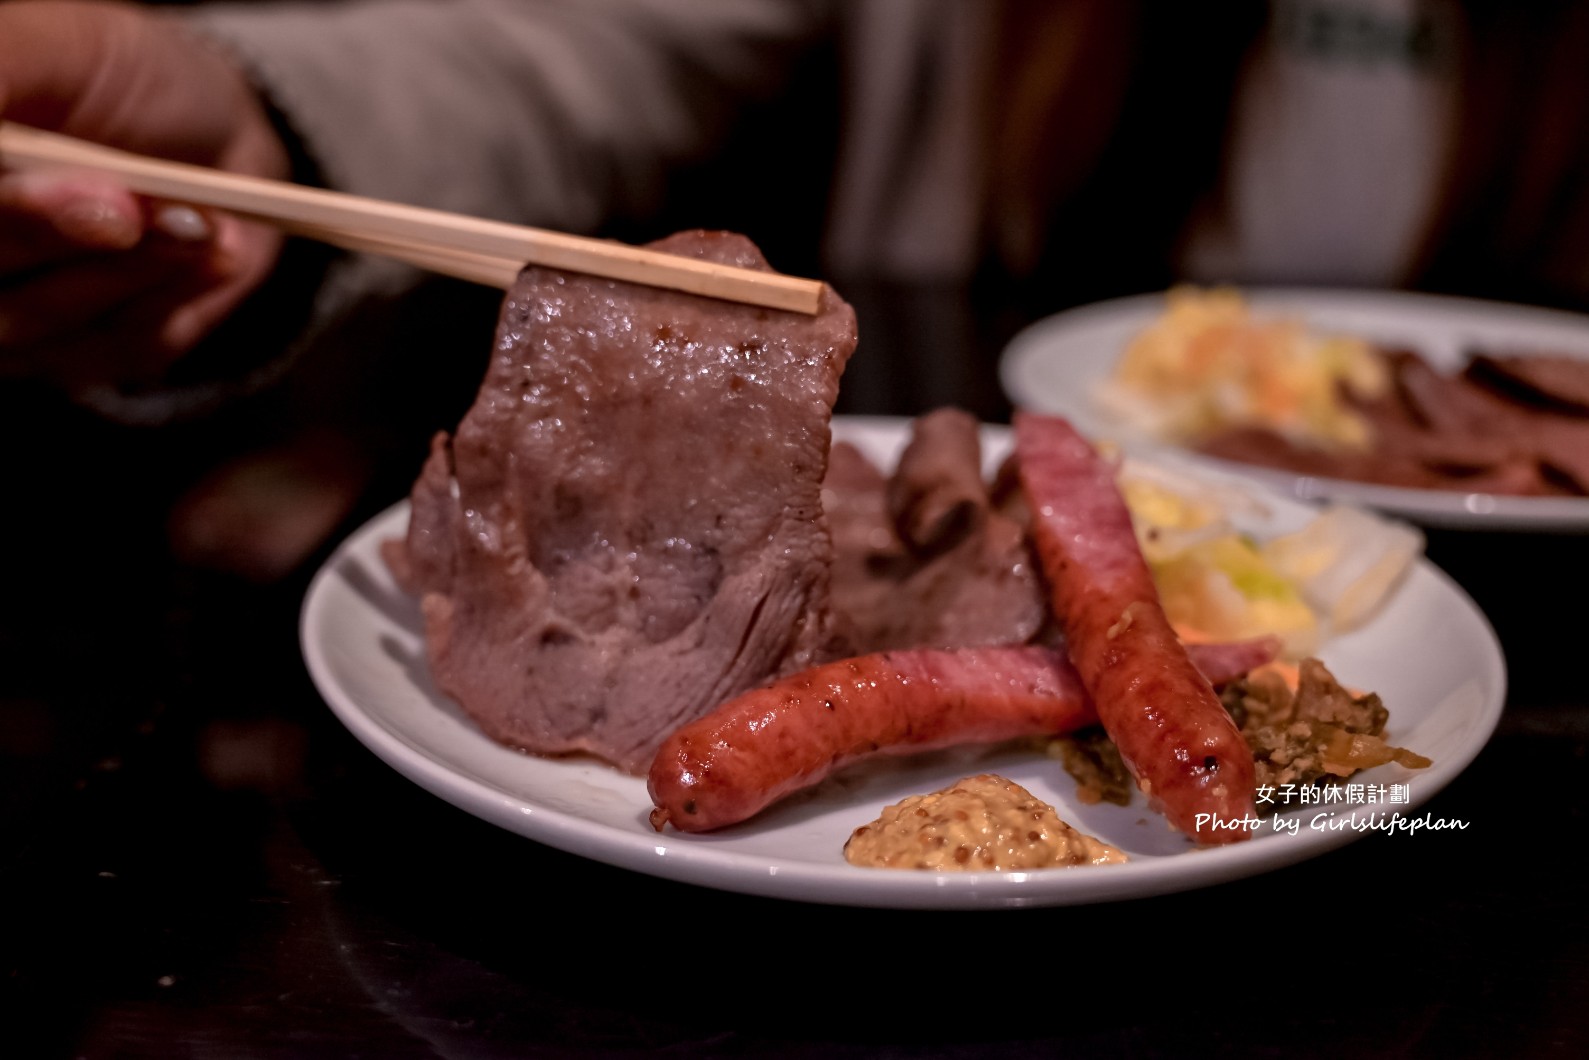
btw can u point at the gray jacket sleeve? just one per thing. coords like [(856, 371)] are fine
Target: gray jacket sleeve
[(548, 112)]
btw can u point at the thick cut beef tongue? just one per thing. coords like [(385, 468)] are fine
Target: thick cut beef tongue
[(922, 557), (627, 529)]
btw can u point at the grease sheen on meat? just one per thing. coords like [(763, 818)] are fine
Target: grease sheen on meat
[(627, 528)]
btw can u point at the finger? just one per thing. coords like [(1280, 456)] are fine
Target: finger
[(120, 347), (178, 238), (137, 340), (131, 346), (67, 299), (241, 255), (48, 216)]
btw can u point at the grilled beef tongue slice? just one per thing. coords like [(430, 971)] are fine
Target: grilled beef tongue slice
[(936, 495), (627, 529), (1552, 381), (922, 558)]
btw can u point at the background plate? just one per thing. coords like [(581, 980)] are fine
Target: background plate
[(1056, 365)]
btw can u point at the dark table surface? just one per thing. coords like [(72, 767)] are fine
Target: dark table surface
[(198, 861)]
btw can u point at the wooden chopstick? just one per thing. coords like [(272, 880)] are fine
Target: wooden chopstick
[(461, 264), (433, 239)]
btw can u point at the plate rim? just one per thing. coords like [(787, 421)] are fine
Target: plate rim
[(689, 860)]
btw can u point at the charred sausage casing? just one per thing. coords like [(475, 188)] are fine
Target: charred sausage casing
[(1175, 737)]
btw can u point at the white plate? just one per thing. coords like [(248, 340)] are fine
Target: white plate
[(1431, 654), (1056, 365)]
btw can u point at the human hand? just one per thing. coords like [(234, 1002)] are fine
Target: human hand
[(99, 286)]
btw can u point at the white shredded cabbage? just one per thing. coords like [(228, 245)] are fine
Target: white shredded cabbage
[(1346, 562)]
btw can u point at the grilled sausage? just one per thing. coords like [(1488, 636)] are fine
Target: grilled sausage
[(793, 733), (1174, 736)]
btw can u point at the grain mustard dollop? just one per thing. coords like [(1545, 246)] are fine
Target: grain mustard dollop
[(980, 823)]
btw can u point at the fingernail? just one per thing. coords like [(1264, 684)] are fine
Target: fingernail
[(98, 222), (184, 223)]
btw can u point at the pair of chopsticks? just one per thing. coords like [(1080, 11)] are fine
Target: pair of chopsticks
[(469, 248)]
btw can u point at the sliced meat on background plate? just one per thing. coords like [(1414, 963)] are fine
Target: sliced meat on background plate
[(1505, 425), (1549, 380)]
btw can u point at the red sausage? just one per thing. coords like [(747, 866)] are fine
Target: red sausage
[(1177, 740), (773, 741)]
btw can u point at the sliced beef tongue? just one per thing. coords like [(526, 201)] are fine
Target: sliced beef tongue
[(1554, 381), (922, 557), (627, 528), (937, 495), (1467, 414)]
